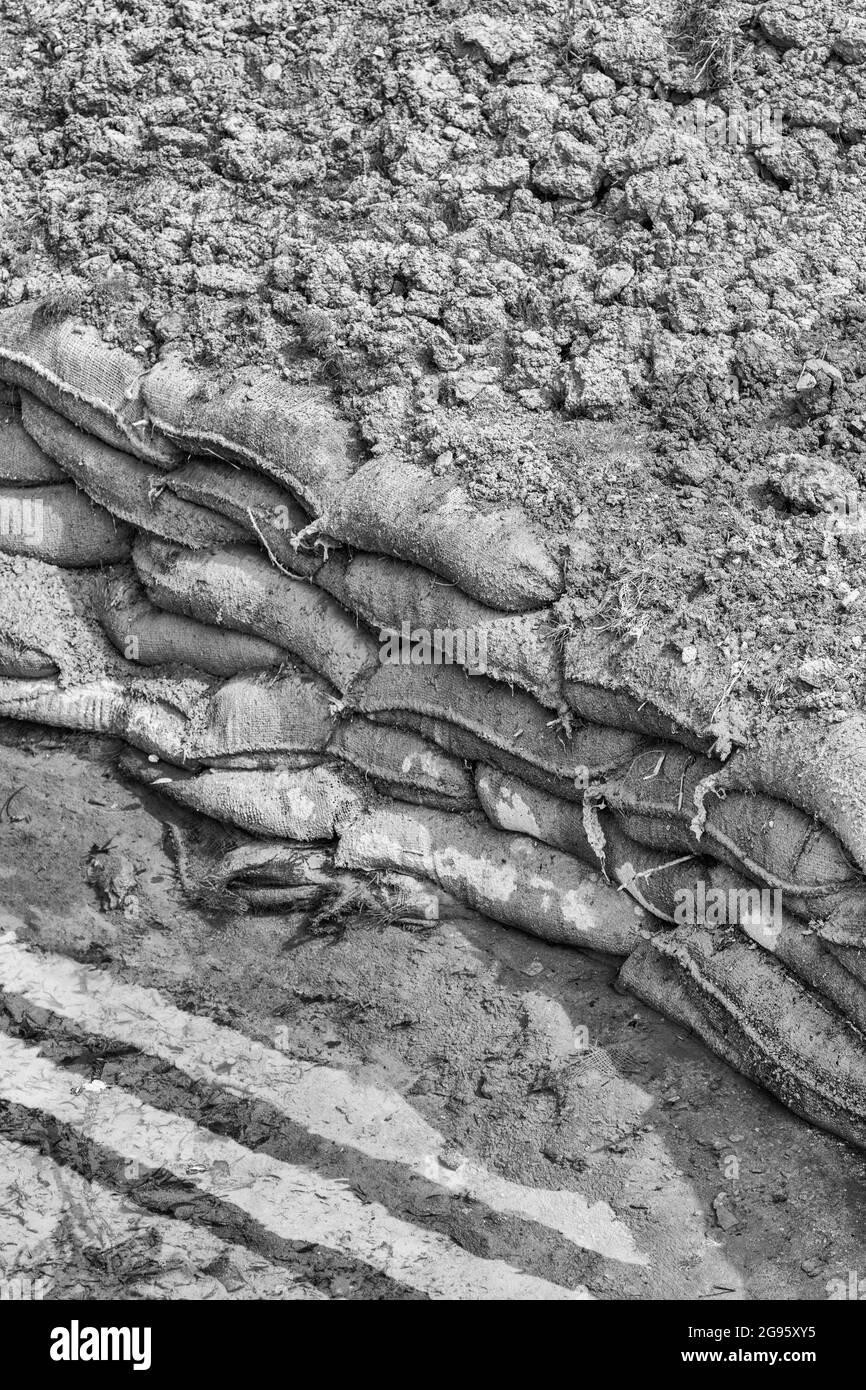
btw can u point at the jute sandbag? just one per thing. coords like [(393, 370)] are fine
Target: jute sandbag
[(125, 486), (143, 633), (290, 433), (516, 648), (652, 879), (106, 707), (58, 523), (807, 761), (262, 714), (662, 882), (643, 686), (760, 1019), (267, 512), (766, 922), (770, 841), (21, 459), (817, 765), (852, 958), (480, 720), (47, 620), (24, 662), (68, 366), (305, 804), (511, 878), (239, 588), (391, 507), (404, 765)]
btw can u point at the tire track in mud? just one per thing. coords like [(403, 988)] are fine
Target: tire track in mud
[(329, 1152), (284, 1200), (68, 1235)]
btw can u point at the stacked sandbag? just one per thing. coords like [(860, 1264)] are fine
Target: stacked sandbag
[(352, 686), (237, 587), (148, 635), (123, 485)]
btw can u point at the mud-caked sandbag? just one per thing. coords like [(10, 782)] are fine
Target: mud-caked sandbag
[(238, 587), (305, 804), (107, 707), (267, 512), (423, 610), (125, 486), (404, 765), (817, 765), (391, 507), (48, 625), (478, 719), (21, 459), (58, 523), (67, 365), (145, 634), (593, 835), (23, 661), (262, 714), (771, 841), (511, 878), (852, 958), (755, 1014), (291, 433), (761, 914), (646, 687)]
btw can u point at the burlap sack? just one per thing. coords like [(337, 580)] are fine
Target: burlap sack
[(239, 588), (516, 648), (267, 512), (756, 1015), (510, 878), (290, 433), (125, 486), (305, 804), (144, 634), (21, 459), (394, 508), (480, 720), (68, 366), (403, 765), (260, 715), (58, 523)]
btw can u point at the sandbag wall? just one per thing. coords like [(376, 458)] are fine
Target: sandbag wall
[(360, 685)]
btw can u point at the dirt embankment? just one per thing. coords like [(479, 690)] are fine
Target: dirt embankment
[(520, 247)]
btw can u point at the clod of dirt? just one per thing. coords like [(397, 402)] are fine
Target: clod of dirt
[(115, 879)]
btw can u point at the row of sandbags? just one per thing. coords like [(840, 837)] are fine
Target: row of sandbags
[(273, 462), (286, 725)]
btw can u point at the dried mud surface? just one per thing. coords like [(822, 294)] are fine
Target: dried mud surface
[(725, 1193), (495, 236)]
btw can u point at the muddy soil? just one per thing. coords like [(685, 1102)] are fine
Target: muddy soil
[(516, 247), (525, 1058)]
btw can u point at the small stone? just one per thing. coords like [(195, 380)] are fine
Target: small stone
[(273, 72), (689, 655), (816, 671), (726, 1217)]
